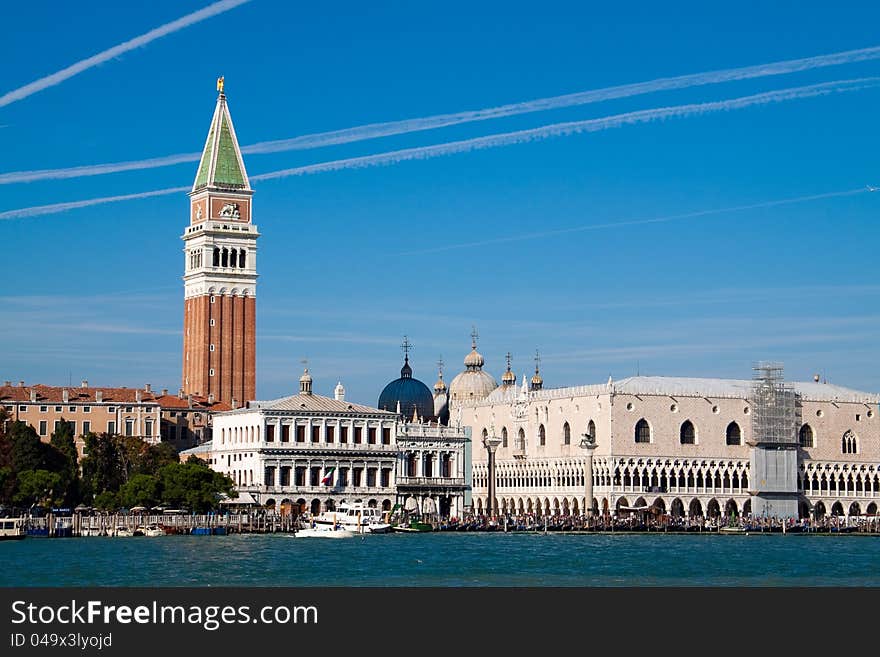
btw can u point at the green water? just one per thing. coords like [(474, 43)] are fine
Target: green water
[(445, 559)]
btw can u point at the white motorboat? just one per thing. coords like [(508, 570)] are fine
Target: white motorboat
[(356, 518), (122, 530), (324, 532), (11, 529), (152, 530)]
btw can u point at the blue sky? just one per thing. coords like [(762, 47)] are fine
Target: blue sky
[(351, 260)]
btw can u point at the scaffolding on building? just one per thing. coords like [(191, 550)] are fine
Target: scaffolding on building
[(775, 406)]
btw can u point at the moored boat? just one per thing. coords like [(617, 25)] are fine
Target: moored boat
[(11, 529)]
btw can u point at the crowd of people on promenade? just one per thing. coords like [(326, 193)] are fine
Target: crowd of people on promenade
[(635, 522)]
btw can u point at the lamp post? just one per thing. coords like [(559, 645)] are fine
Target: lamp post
[(588, 444), (491, 442)]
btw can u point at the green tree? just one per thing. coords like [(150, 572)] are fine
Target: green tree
[(64, 447), (106, 501), (140, 490), (193, 486), (102, 465), (154, 457), (39, 487)]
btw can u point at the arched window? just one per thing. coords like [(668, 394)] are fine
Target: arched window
[(591, 428), (521, 439), (504, 436), (734, 434), (687, 434), (241, 258), (805, 436), (224, 261), (542, 435), (216, 260), (849, 443), (233, 258), (566, 434), (643, 431)]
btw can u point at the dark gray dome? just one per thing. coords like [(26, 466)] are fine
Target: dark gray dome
[(410, 392)]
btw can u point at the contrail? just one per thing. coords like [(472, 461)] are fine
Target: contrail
[(72, 205), (494, 141), (639, 222), (573, 127), (377, 130), (115, 51)]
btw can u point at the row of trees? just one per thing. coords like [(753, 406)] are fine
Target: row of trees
[(115, 471)]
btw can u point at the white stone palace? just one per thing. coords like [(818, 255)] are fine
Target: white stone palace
[(675, 445)]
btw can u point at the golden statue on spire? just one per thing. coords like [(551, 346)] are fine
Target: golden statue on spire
[(220, 84)]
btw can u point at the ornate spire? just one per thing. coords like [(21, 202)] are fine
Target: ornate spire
[(221, 166), (508, 378), (474, 361), (440, 386), (406, 370), (537, 381)]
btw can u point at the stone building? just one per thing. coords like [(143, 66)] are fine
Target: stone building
[(673, 445)]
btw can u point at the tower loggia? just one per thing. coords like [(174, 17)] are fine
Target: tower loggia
[(220, 279)]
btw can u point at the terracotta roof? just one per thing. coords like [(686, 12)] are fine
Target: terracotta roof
[(198, 402), (76, 394)]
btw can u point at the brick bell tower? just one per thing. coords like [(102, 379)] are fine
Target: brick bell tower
[(220, 279)]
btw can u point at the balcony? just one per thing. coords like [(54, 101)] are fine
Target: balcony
[(317, 491), (430, 481)]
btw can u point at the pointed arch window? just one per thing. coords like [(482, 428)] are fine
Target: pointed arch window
[(734, 434), (542, 435), (504, 436), (566, 434), (591, 428), (849, 443), (643, 431), (687, 434), (806, 438)]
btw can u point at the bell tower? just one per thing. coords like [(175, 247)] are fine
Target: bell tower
[(220, 271)]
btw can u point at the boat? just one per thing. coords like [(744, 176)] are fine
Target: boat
[(413, 525), (732, 530), (122, 530), (324, 531), (152, 530), (11, 529), (359, 519)]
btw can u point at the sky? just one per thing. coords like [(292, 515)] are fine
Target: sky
[(691, 234)]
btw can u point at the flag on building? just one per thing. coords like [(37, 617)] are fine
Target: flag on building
[(328, 478)]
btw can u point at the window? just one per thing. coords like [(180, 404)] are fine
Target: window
[(148, 427), (358, 435), (371, 477), (211, 323), (43, 409), (643, 431), (111, 409), (386, 435), (212, 298), (329, 432), (87, 427), (386, 477), (128, 409), (343, 434), (57, 409), (806, 437), (371, 439), (57, 424), (566, 434), (734, 434), (504, 436), (301, 433), (23, 409), (129, 427), (316, 434), (211, 372), (72, 426), (87, 409), (687, 433), (71, 409), (357, 475), (542, 435), (211, 348), (43, 427), (270, 433), (111, 428), (591, 429), (269, 476), (849, 443)]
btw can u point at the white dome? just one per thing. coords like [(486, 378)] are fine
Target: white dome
[(471, 384)]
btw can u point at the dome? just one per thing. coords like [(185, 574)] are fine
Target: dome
[(471, 384), (410, 393), (473, 359)]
